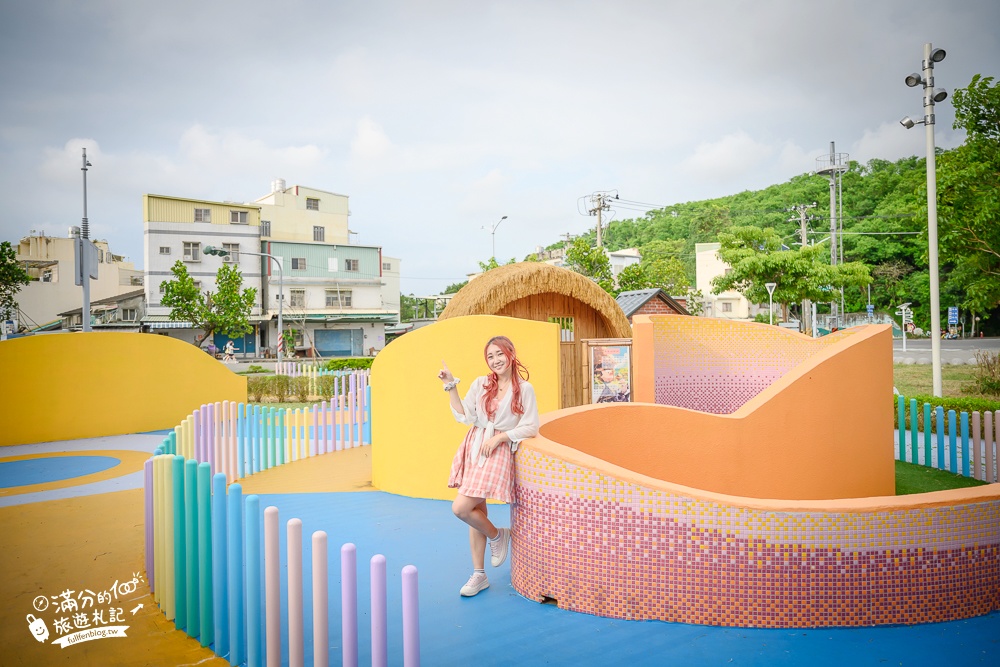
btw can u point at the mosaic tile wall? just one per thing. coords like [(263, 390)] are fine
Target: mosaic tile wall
[(602, 546), (716, 366)]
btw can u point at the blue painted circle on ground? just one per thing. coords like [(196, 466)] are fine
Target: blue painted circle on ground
[(51, 469)]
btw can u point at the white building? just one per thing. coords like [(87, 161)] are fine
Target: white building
[(50, 262), (728, 305), (619, 259)]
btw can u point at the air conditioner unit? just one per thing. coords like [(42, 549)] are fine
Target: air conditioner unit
[(227, 259)]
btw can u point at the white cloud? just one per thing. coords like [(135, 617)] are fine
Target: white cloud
[(729, 157)]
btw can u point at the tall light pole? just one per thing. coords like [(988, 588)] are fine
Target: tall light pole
[(493, 233), (210, 250), (770, 301), (84, 241), (931, 95)]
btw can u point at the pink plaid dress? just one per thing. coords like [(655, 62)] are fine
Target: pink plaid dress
[(472, 472)]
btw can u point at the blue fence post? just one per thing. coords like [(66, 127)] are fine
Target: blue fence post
[(220, 605), (914, 427), (191, 545), (965, 444), (252, 518), (180, 555), (368, 414), (235, 552), (952, 433), (901, 409), (241, 436), (939, 430), (927, 436)]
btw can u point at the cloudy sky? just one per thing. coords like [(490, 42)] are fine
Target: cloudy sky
[(438, 117)]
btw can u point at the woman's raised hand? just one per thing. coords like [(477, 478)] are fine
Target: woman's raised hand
[(445, 374)]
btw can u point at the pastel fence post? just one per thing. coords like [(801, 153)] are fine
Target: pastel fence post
[(168, 576), (368, 415), (255, 653), (320, 600), (914, 427), (191, 545), (197, 419), (316, 447), (234, 551), (241, 441), (205, 572), (210, 436), (296, 612), (953, 452), (927, 435), (223, 460), (901, 427), (991, 421), (272, 587), (175, 439), (180, 580), (411, 618), (977, 452), (233, 444), (379, 621), (147, 496), (965, 443), (351, 403), (279, 446), (335, 405), (349, 604), (220, 581), (939, 431)]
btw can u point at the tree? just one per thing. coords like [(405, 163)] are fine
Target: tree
[(969, 195), (227, 310), (492, 264), (591, 262), (12, 277), (756, 257)]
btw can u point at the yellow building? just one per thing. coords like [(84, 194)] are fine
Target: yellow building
[(298, 213), (49, 261)]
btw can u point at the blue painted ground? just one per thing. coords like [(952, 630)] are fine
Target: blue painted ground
[(51, 469), (499, 627)]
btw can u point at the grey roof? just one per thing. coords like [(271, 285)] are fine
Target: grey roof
[(633, 300)]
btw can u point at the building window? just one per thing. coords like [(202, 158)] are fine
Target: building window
[(387, 266), (136, 281), (319, 233), (727, 307), (298, 263), (237, 217), (312, 204), (192, 251), (203, 215), (126, 314), (331, 264), (265, 227), (351, 264), (297, 298), (47, 276), (565, 328), (338, 298), (100, 256), (234, 253), (163, 287), (164, 250)]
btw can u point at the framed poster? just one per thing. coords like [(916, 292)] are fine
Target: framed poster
[(610, 363)]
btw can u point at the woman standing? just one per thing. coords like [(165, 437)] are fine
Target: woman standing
[(501, 409)]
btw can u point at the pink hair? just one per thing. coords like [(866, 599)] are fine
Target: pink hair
[(492, 385)]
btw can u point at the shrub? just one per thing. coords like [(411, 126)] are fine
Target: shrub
[(325, 385), (300, 388), (280, 386), (257, 388), (959, 405), (986, 378), (350, 364)]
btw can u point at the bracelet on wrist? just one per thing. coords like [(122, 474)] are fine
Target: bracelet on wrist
[(448, 386)]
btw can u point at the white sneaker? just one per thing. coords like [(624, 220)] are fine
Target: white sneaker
[(477, 582), (499, 547)]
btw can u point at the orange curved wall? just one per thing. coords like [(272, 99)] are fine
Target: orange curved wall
[(84, 385)]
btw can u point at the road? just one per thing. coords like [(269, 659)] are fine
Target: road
[(958, 351)]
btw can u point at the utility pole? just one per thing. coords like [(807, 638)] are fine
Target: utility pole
[(83, 264), (833, 167), (600, 200), (805, 307)]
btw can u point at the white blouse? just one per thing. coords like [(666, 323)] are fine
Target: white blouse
[(517, 427)]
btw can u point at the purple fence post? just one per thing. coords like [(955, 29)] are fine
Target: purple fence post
[(989, 448), (296, 641), (315, 439), (349, 604), (209, 446), (196, 428), (411, 619), (272, 587), (380, 642), (977, 459), (148, 493), (351, 403), (321, 600)]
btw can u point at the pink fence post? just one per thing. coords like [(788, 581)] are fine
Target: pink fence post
[(338, 440), (977, 458), (989, 448), (233, 419), (148, 494), (411, 619), (349, 604), (296, 641), (380, 641), (272, 587), (315, 449), (210, 436), (321, 618), (219, 460), (197, 414), (350, 409)]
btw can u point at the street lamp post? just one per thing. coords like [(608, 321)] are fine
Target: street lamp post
[(931, 95), (770, 301), (210, 250), (84, 242), (905, 318), (493, 233)]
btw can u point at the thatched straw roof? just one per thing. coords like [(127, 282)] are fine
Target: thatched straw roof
[(491, 292)]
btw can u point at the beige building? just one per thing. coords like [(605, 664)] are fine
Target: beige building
[(303, 214), (50, 262), (730, 305)]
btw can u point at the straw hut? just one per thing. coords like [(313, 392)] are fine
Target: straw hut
[(536, 291)]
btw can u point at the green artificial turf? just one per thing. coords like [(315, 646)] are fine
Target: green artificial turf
[(912, 478)]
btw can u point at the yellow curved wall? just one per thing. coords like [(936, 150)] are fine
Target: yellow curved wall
[(84, 385), (414, 435)]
